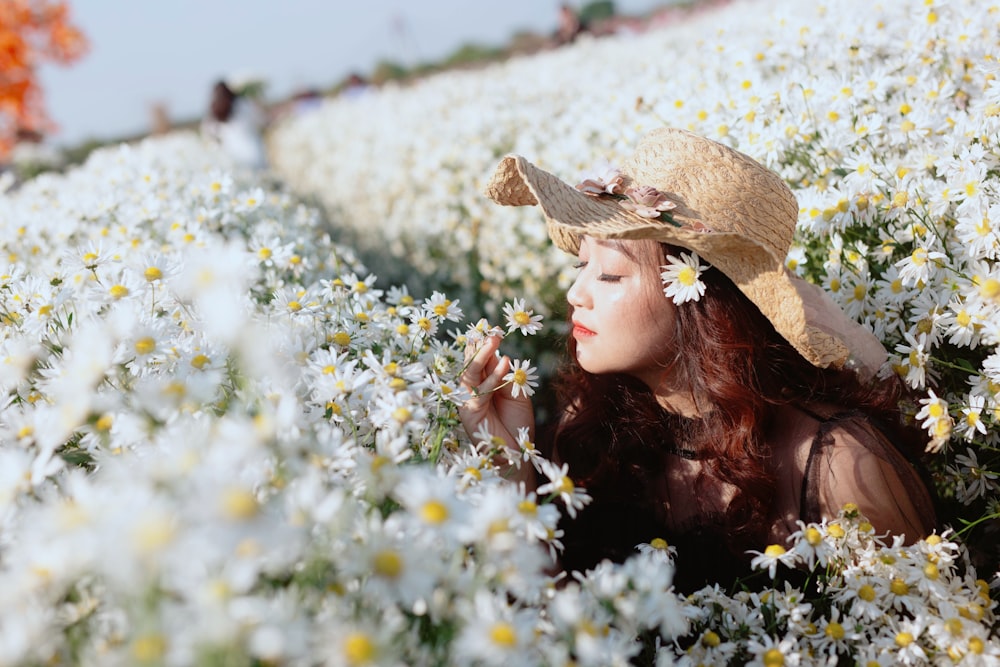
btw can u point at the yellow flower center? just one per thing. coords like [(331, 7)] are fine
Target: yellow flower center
[(564, 485), (503, 634), (434, 511), (388, 564), (358, 648), (774, 550), (773, 658), (866, 593), (149, 648), (152, 273), (990, 288), (687, 276), (527, 507), (239, 504), (520, 377)]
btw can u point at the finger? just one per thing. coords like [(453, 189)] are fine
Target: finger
[(482, 361), (494, 378)]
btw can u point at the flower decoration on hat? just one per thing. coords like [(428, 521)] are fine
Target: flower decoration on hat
[(608, 180), (643, 200), (647, 202), (682, 278)]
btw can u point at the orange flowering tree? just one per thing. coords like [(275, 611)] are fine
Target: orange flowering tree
[(31, 31)]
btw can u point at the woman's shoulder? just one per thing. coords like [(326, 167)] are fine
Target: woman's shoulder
[(852, 459), (812, 427)]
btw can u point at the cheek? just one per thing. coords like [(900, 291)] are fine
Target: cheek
[(660, 316)]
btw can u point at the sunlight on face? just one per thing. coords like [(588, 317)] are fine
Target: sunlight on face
[(622, 322)]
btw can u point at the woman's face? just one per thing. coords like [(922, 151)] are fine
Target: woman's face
[(622, 322)]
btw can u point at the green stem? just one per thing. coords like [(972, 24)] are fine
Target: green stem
[(972, 524)]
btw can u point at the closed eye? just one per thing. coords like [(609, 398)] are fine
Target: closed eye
[(579, 265), (609, 278)]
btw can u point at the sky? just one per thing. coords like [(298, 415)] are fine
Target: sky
[(170, 52)]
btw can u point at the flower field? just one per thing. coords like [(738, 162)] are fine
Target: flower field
[(885, 125), (230, 436)]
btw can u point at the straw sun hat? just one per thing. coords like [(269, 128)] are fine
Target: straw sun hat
[(734, 213)]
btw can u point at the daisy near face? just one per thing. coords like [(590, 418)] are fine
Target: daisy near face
[(622, 322)]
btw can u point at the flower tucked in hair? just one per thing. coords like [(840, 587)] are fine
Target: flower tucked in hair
[(681, 278), (606, 181), (647, 202)]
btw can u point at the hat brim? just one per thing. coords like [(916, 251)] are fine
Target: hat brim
[(753, 268)]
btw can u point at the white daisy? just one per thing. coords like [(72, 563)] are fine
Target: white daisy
[(520, 318), (681, 278), (522, 377)]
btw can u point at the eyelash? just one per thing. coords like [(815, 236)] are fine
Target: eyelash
[(604, 277)]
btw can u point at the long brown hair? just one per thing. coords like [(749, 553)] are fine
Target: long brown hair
[(616, 437)]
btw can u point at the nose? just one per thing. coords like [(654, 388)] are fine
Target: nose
[(577, 295)]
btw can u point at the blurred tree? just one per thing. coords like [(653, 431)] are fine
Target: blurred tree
[(31, 31), (599, 10)]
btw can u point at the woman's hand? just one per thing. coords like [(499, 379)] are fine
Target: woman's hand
[(492, 401)]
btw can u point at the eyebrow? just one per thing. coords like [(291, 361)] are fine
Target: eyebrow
[(619, 245)]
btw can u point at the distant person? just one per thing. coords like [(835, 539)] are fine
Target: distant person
[(569, 25), (159, 119), (306, 101), (355, 86), (31, 155), (236, 123)]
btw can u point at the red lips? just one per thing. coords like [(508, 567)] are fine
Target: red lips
[(580, 331)]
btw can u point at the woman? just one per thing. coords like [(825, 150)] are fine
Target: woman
[(712, 398)]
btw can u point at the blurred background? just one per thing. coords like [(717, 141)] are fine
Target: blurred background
[(150, 67)]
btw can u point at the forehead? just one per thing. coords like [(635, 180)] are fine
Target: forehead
[(638, 250)]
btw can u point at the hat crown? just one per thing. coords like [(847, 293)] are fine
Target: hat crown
[(723, 189)]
